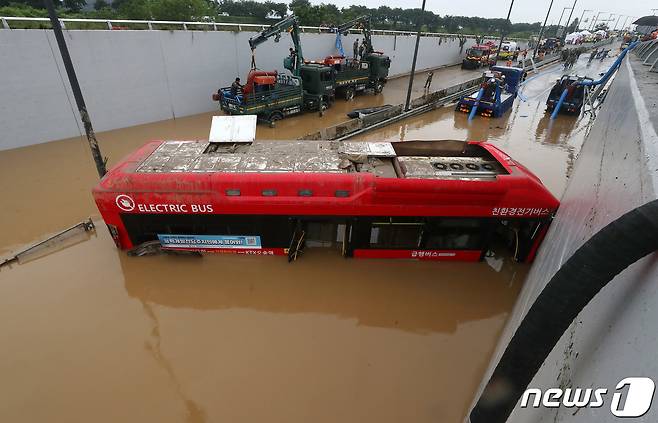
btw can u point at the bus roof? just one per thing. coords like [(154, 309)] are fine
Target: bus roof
[(319, 157), (397, 177)]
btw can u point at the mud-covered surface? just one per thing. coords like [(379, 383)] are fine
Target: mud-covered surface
[(89, 334)]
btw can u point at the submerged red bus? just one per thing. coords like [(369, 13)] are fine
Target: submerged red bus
[(429, 200)]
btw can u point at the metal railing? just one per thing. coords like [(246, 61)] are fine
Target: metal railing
[(116, 24)]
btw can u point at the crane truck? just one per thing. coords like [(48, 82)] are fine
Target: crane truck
[(357, 75), (273, 96)]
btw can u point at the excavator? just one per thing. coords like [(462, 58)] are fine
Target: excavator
[(355, 75), (273, 96)]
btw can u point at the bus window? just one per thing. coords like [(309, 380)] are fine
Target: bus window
[(321, 233), (395, 235), (275, 231), (454, 234)]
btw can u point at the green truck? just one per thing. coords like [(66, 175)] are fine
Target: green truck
[(311, 86), (352, 75), (273, 96)]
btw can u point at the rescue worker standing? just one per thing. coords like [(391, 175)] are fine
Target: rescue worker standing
[(356, 48), (293, 57), (604, 54), (362, 49), (428, 81), (236, 87)]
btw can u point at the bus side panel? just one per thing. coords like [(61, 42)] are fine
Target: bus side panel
[(437, 255), (535, 246), (241, 251), (113, 220)]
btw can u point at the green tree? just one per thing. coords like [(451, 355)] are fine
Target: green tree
[(279, 9), (74, 5), (574, 25), (134, 9), (179, 10)]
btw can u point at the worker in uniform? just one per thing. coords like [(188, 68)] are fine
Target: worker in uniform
[(236, 87), (592, 55), (362, 49), (356, 48), (293, 57), (522, 57), (428, 81), (489, 89), (604, 54)]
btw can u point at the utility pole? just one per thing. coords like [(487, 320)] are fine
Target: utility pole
[(75, 87), (541, 32), (413, 64), (566, 27), (502, 32)]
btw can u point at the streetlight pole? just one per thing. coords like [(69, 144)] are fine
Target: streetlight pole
[(541, 32), (75, 87), (413, 64), (610, 19), (595, 20), (582, 15), (557, 28), (625, 20), (502, 32), (566, 27)]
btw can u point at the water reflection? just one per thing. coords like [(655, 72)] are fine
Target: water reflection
[(194, 412), (555, 131), (486, 129), (411, 296)]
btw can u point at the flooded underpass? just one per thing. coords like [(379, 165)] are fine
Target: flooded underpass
[(89, 333)]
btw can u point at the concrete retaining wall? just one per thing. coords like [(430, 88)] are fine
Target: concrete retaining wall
[(614, 337), (135, 77)]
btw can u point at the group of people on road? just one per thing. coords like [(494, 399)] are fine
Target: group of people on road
[(359, 49), (570, 56), (598, 54)]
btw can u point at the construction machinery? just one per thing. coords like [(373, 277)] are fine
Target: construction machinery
[(496, 95), (575, 97), (357, 74), (272, 95)]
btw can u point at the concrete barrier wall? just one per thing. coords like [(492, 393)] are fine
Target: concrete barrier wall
[(614, 337), (135, 77)]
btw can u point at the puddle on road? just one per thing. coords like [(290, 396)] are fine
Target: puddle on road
[(91, 334)]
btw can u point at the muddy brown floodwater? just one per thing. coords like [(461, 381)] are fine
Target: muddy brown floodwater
[(89, 334)]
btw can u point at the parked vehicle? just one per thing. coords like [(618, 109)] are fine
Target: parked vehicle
[(368, 72), (575, 98), (273, 96), (497, 93), (478, 56), (509, 50)]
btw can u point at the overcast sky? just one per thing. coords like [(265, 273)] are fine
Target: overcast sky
[(523, 11)]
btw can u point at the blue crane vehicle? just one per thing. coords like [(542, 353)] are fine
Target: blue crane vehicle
[(496, 95)]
